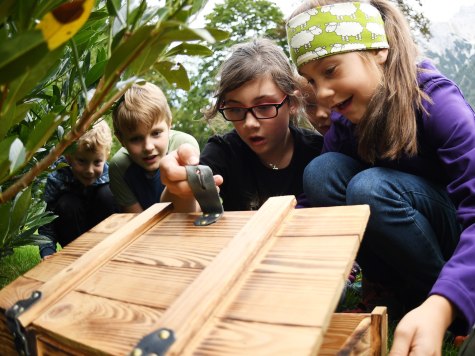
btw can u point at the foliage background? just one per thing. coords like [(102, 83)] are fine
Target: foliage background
[(49, 95)]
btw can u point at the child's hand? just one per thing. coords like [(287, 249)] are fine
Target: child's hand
[(173, 173), (46, 257), (422, 330)]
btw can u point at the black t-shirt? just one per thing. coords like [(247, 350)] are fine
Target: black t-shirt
[(247, 182)]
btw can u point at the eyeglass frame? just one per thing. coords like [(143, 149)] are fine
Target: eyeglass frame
[(250, 109)]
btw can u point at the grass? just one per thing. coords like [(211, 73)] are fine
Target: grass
[(27, 257), (22, 260)]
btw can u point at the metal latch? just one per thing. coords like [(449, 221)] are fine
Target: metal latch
[(202, 184)]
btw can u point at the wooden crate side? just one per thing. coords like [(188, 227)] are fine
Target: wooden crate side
[(342, 325), (7, 344), (379, 331), (235, 337), (356, 334), (47, 346)]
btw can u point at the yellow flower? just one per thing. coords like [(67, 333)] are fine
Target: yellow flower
[(59, 25)]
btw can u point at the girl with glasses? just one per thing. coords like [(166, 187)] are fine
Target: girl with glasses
[(265, 154)]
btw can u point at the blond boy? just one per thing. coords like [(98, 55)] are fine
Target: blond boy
[(78, 190), (142, 120)]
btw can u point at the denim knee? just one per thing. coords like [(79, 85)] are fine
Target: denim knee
[(369, 186), (326, 177)]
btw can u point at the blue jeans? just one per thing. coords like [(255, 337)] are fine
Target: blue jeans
[(412, 230)]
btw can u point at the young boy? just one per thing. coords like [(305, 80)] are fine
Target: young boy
[(142, 120), (79, 192)]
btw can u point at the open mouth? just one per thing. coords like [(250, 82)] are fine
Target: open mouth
[(343, 105), (149, 159), (256, 139)]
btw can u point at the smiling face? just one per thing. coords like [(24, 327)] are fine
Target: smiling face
[(346, 82), (146, 146), (87, 166), (266, 137)]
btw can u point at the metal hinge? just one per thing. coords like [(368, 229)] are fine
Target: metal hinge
[(17, 330), (156, 343)]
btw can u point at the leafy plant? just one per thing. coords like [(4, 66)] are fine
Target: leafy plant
[(64, 63), (19, 220)]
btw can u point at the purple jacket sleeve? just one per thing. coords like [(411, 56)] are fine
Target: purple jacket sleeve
[(451, 125)]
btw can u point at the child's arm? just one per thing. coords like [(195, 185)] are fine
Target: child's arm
[(173, 175), (422, 330), (48, 231), (134, 208)]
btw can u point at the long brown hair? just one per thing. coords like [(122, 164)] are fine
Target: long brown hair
[(388, 129)]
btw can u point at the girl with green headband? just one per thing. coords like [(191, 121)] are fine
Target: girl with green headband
[(404, 143)]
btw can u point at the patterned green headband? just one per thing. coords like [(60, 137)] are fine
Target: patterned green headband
[(331, 29)]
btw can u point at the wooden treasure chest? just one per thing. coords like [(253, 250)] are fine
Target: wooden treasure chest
[(264, 282)]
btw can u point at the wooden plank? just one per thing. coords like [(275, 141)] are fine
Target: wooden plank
[(176, 242), (340, 220), (92, 325), (311, 254), (359, 342), (379, 331), (341, 326), (89, 262), (196, 304), (287, 299), (49, 268), (112, 223), (234, 337), (139, 284)]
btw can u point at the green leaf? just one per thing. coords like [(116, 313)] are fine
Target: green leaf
[(218, 35), (21, 53), (4, 157), (174, 73), (185, 34), (189, 49), (136, 14), (184, 13), (42, 132), (95, 73), (20, 206), (113, 7), (21, 86), (146, 59), (127, 50), (29, 238), (17, 155), (4, 221), (13, 117)]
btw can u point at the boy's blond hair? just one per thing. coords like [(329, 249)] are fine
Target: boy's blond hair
[(141, 105), (98, 137)]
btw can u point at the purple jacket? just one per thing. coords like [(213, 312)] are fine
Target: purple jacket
[(446, 143)]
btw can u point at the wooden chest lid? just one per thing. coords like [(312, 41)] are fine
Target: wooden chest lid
[(262, 282)]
